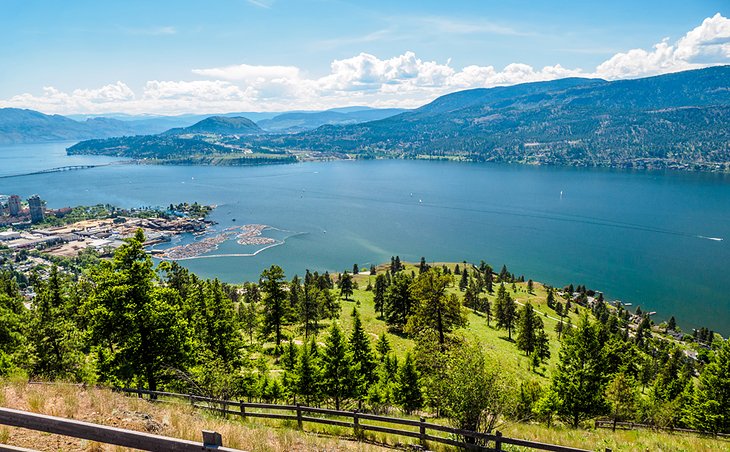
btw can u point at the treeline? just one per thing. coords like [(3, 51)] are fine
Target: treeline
[(126, 322)]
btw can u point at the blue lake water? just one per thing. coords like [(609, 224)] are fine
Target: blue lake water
[(642, 237)]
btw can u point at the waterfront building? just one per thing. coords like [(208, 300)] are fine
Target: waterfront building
[(14, 205), (36, 209)]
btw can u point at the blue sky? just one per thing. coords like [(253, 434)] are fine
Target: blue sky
[(168, 57)]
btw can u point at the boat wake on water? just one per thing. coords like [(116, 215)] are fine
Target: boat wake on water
[(714, 239)]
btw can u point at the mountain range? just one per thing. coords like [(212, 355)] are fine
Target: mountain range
[(29, 126), (679, 120)]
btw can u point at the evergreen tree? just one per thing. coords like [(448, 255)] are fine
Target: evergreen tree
[(138, 325), (422, 267), (671, 324), (379, 294), (373, 272), (464, 282), (621, 394), (457, 270), (711, 409), (274, 302), (581, 375), (55, 339), (307, 375), (310, 309), (550, 298), (346, 285), (408, 390), (248, 318), (527, 326), (218, 325), (398, 301), (505, 310), (434, 308), (529, 286), (362, 353), (355, 269), (336, 367), (382, 346)]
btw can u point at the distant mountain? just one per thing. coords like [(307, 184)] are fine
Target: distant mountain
[(219, 125), (29, 126), (679, 120), (301, 121)]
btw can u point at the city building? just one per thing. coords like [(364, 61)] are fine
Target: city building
[(36, 209), (14, 205)]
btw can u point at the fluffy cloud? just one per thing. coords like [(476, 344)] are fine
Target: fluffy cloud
[(403, 80), (706, 45)]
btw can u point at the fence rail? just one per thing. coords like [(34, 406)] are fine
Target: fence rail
[(105, 434), (353, 419), (621, 425)]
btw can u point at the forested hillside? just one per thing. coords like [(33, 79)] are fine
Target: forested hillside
[(396, 338), (678, 120)]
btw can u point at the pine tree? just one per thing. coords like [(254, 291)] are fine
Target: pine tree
[(581, 375), (336, 367), (138, 325), (310, 310), (408, 390), (362, 353), (382, 346), (550, 298), (346, 285), (527, 327), (307, 375), (621, 394), (711, 409), (355, 269), (529, 286), (505, 310), (671, 324), (379, 294), (464, 282), (398, 301), (248, 318), (422, 267), (434, 308), (272, 280), (54, 337)]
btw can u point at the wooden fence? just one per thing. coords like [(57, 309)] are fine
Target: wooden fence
[(359, 422), (104, 434), (603, 423)]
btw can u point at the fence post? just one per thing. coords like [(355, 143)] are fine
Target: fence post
[(498, 442), (299, 416), (422, 431), (356, 424), (243, 409)]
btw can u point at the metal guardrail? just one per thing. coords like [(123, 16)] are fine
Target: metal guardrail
[(358, 421), (104, 434)]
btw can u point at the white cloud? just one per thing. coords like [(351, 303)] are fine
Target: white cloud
[(250, 73), (400, 81), (706, 45)]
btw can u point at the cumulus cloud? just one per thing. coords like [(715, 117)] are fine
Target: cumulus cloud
[(250, 73), (706, 45), (400, 81)]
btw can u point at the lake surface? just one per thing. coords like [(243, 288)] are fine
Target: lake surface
[(641, 237)]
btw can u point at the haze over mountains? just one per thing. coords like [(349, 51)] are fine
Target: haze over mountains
[(28, 126)]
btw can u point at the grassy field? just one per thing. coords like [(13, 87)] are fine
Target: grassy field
[(103, 406), (494, 340)]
